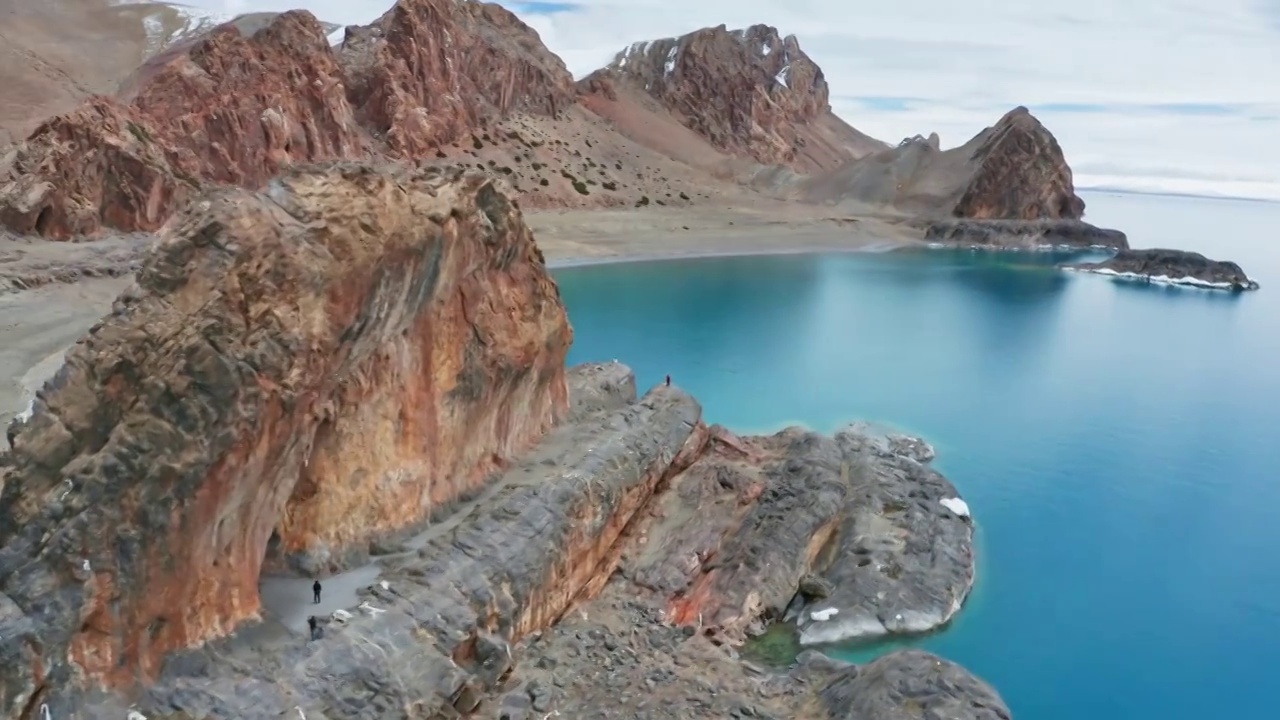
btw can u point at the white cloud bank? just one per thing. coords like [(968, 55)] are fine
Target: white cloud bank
[(1149, 95)]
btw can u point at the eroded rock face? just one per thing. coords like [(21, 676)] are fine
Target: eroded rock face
[(1173, 267), (431, 71), (1018, 172), (329, 359), (257, 95), (98, 165), (749, 92)]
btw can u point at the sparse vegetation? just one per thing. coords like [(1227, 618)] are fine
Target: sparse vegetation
[(581, 187), (543, 182), (683, 196), (476, 143), (644, 200), (609, 186), (139, 132)]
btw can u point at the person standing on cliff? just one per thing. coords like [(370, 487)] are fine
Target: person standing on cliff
[(315, 591), (668, 381), (311, 622)]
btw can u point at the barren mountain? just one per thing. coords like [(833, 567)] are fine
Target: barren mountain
[(1012, 170), (748, 92), (720, 116)]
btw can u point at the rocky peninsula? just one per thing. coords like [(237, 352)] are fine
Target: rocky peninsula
[(1171, 267), (368, 360)]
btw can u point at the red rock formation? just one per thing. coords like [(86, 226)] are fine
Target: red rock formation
[(749, 92), (332, 358), (431, 71), (245, 102), (100, 164), (1018, 172), (255, 95)]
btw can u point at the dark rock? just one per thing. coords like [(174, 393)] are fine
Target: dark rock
[(1176, 267), (909, 685), (1024, 234)]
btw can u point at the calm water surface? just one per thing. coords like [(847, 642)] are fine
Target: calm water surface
[(1119, 444)]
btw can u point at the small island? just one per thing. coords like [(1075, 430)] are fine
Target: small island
[(1171, 267)]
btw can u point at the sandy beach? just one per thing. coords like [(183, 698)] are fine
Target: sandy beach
[(51, 293)]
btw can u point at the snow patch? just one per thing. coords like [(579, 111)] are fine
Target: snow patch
[(765, 49), (824, 615), (781, 77), (955, 505), (1186, 281), (337, 36), (670, 66)]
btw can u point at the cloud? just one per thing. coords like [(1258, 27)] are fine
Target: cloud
[(1136, 91)]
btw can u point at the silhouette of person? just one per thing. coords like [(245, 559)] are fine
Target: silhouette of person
[(668, 381), (315, 590), (311, 622)]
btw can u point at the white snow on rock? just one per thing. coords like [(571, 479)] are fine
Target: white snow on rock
[(955, 505), (781, 77), (1186, 281), (824, 615), (765, 49), (337, 36), (670, 66)]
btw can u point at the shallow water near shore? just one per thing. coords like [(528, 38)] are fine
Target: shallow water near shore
[(1116, 441)]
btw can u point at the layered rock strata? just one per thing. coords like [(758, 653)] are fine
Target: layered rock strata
[(326, 361), (1171, 267), (354, 349), (1025, 234)]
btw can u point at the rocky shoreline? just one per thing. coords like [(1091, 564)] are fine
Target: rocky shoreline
[(277, 381), (1171, 267), (1042, 234)]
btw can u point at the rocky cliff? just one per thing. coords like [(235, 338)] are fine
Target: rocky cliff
[(329, 360), (1017, 171), (307, 372), (750, 92), (256, 95)]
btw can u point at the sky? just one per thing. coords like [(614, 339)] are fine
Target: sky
[(1175, 96)]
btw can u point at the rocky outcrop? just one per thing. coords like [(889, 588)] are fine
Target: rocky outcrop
[(431, 71), (1171, 267), (1024, 234), (750, 92), (1014, 170), (98, 165), (888, 539), (552, 590), (910, 684), (1017, 172), (327, 361), (259, 94)]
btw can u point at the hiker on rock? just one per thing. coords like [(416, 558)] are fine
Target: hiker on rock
[(311, 622), (315, 590), (668, 381)]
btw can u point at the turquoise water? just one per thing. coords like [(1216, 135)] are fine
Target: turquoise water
[(1119, 444)]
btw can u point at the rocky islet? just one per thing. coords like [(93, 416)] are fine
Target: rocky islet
[(1171, 267)]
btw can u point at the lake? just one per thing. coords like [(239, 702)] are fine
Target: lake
[(1119, 444)]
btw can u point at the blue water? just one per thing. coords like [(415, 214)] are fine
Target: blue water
[(1119, 444)]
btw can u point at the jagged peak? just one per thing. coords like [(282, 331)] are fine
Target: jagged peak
[(766, 48)]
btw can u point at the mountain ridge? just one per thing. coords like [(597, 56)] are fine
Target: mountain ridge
[(677, 121)]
